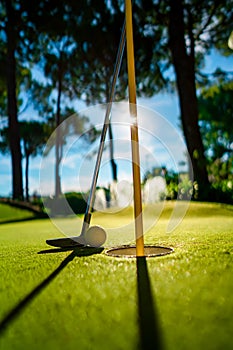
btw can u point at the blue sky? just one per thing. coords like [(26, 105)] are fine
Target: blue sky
[(162, 107)]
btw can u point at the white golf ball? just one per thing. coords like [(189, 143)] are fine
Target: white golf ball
[(95, 236)]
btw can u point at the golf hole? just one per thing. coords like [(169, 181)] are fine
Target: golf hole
[(130, 251)]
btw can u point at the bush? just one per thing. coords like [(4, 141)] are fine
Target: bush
[(222, 192), (179, 187), (68, 204), (77, 201)]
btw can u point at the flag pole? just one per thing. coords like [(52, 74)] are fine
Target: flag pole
[(134, 132)]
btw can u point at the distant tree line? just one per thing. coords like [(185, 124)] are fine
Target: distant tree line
[(73, 45)]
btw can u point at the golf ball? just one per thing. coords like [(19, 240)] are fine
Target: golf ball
[(95, 236)]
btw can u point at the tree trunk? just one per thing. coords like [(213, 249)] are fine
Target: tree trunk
[(27, 177), (58, 140), (184, 64), (14, 134)]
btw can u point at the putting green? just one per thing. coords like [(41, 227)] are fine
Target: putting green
[(51, 299)]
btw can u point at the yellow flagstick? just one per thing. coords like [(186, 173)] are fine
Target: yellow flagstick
[(134, 132)]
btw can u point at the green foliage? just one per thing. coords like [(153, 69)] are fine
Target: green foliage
[(77, 201), (216, 114), (206, 24), (180, 187), (34, 136), (68, 204)]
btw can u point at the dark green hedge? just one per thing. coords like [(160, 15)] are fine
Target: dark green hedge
[(68, 204)]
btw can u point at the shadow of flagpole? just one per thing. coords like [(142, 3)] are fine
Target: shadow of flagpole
[(150, 334)]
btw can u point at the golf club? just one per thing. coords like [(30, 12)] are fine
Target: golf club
[(76, 241)]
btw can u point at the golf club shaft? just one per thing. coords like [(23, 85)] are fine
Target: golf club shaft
[(91, 197)]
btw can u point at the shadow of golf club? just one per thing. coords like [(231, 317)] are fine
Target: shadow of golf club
[(17, 310), (80, 251), (150, 334)]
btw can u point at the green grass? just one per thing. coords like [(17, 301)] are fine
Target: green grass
[(83, 300), (9, 213)]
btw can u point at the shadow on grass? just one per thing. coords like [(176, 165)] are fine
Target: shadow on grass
[(17, 310), (150, 333), (80, 251)]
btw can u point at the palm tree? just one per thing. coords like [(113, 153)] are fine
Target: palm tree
[(34, 135)]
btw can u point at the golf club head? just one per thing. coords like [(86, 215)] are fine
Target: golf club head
[(66, 242)]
